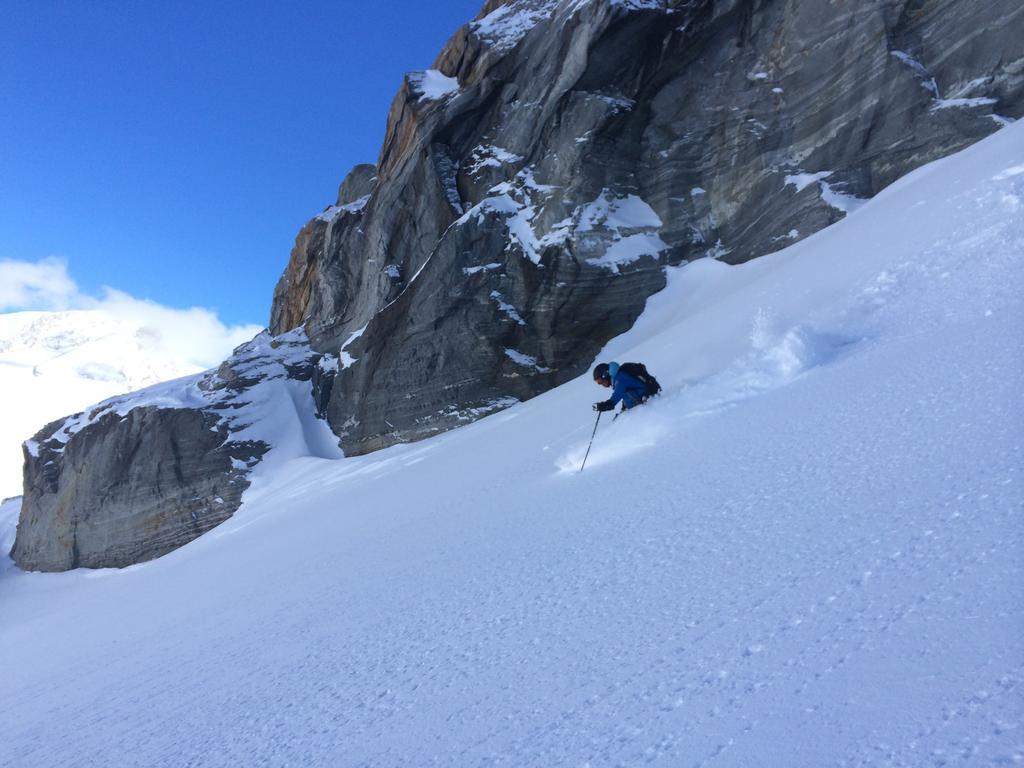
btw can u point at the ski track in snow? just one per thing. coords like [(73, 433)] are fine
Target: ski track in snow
[(807, 552)]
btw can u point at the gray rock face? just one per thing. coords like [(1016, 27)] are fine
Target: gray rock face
[(140, 475), (530, 191), (358, 184), (127, 489)]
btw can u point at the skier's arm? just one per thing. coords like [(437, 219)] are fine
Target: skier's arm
[(617, 393)]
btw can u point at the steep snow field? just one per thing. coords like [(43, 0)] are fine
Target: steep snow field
[(807, 552)]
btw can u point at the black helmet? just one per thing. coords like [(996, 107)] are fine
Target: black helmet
[(601, 372)]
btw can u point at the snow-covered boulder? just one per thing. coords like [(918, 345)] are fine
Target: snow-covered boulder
[(56, 363), (137, 476)]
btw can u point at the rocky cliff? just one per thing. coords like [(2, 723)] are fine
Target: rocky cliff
[(533, 184), (531, 188)]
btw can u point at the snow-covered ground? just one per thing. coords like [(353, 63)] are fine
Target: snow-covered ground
[(56, 363), (807, 552)]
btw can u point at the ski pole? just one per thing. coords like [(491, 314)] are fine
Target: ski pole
[(591, 440)]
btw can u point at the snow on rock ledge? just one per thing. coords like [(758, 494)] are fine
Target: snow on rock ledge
[(432, 84), (137, 476)]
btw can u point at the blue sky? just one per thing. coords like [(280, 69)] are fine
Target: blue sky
[(172, 150)]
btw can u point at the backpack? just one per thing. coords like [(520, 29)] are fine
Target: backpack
[(639, 372)]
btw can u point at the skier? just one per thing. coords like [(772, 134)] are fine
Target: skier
[(630, 382)]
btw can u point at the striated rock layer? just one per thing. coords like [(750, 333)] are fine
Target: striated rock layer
[(533, 184), (531, 188), (101, 504)]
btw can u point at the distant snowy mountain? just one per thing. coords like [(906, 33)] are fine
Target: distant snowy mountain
[(808, 551), (56, 363)]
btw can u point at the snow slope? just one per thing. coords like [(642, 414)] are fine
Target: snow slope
[(807, 552), (56, 363)]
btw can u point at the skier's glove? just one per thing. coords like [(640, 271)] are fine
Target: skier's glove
[(604, 405)]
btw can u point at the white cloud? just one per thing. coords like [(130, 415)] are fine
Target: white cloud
[(192, 336), (44, 285), (195, 335)]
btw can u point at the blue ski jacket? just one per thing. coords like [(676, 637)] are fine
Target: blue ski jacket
[(629, 389)]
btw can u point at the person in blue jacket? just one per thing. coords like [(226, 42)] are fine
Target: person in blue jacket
[(630, 384)]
